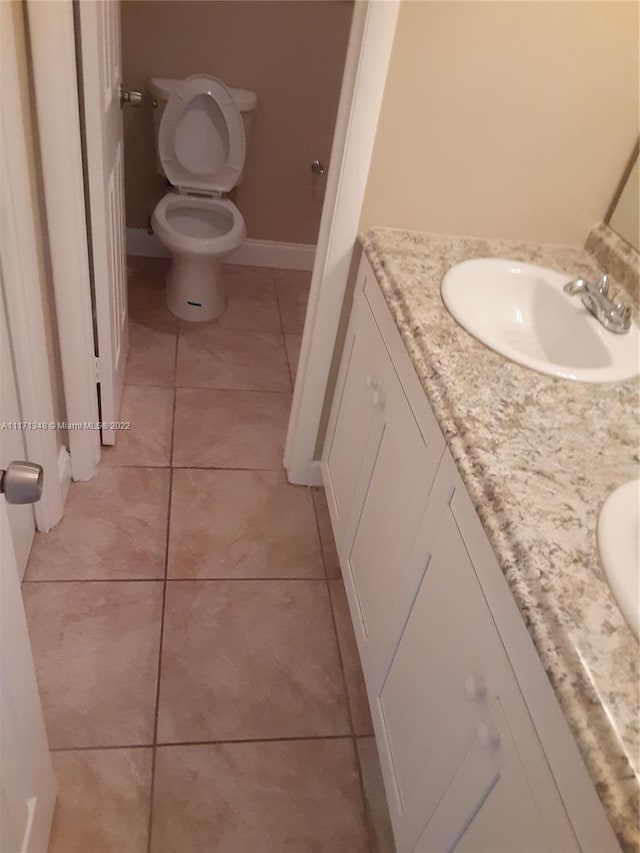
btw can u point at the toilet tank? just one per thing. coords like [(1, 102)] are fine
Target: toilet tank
[(163, 87)]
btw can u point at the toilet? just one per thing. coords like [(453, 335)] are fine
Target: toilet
[(201, 135)]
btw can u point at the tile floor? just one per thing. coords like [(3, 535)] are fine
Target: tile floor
[(200, 678)]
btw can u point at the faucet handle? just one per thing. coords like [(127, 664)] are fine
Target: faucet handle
[(604, 285), (623, 311)]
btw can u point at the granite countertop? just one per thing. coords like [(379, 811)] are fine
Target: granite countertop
[(538, 456)]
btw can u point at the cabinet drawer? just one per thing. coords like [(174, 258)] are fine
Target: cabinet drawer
[(449, 676)]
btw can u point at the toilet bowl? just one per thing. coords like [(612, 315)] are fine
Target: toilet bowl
[(201, 149), (199, 232)]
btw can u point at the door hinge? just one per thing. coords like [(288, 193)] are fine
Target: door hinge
[(97, 366)]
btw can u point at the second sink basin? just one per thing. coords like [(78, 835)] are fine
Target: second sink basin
[(619, 546), (520, 311)]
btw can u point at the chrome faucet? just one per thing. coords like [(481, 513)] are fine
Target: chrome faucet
[(614, 316)]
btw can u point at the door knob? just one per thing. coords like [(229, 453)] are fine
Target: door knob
[(132, 98), (22, 482)]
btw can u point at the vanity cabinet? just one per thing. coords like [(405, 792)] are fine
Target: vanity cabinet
[(380, 458), (475, 753)]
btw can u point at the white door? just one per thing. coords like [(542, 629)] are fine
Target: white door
[(27, 786), (101, 80), (12, 446)]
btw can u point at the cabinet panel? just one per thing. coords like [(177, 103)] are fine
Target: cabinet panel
[(392, 509), (353, 415), (449, 675)]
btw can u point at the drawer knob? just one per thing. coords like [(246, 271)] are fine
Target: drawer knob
[(488, 737), (474, 688)]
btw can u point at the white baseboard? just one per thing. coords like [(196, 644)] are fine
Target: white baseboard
[(64, 472), (252, 253), (311, 476), (269, 253)]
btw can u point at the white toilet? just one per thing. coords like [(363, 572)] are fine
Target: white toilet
[(201, 132)]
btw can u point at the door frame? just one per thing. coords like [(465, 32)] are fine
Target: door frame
[(365, 73), (55, 82), (54, 62), (23, 285)]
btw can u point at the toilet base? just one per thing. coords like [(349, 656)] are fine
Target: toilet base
[(195, 289)]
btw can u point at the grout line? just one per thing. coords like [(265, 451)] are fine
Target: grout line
[(196, 468), (242, 390), (354, 736), (162, 618), (161, 579), (333, 618), (283, 738)]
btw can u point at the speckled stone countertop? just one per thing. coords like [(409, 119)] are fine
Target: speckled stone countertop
[(538, 456)]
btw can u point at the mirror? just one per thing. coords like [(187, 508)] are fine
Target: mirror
[(624, 212)]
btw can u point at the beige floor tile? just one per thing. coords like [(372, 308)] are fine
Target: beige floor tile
[(278, 797), (356, 690), (152, 355), (230, 429), (249, 659), (292, 287), (114, 527), (146, 279), (210, 357), (149, 410), (330, 554), (103, 801), (95, 646), (241, 524), (375, 797), (251, 302), (293, 343)]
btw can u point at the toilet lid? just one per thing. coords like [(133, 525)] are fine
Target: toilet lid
[(201, 140)]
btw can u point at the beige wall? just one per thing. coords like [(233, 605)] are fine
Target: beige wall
[(290, 53), (510, 120)]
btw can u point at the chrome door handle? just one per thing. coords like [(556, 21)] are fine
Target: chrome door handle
[(133, 98), (22, 482)]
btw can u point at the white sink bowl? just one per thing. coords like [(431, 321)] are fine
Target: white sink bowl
[(520, 311), (619, 545)]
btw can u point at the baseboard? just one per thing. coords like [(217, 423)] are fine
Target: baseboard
[(252, 253), (269, 253), (64, 472)]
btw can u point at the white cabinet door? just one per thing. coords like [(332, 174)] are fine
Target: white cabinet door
[(353, 416), (450, 675), (392, 502), (488, 806)]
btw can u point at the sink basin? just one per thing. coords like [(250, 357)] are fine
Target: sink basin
[(619, 545), (520, 311)]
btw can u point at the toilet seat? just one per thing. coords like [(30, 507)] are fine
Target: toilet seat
[(198, 225), (201, 140)]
